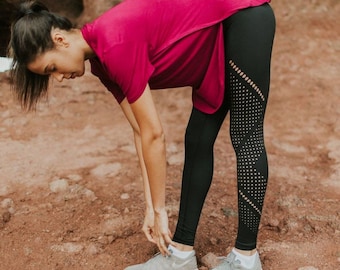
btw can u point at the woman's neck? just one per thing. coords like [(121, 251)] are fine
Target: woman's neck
[(88, 52)]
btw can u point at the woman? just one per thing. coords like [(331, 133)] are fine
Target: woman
[(222, 48)]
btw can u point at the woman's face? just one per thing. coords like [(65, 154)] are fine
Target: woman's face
[(63, 61)]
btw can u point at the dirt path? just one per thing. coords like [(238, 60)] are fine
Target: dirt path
[(70, 189)]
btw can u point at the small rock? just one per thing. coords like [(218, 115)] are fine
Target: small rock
[(176, 159), (103, 240), (90, 194), (59, 185), (77, 191), (75, 177), (308, 268), (7, 203), (125, 196), (213, 241), (6, 216), (92, 249), (172, 148), (210, 260), (111, 238), (68, 247), (273, 222), (228, 212), (107, 170), (214, 214)]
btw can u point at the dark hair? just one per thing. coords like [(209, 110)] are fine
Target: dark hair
[(31, 36)]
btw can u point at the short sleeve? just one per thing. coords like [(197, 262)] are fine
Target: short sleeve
[(129, 66), (98, 70)]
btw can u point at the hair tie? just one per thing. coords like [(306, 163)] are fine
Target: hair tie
[(29, 11)]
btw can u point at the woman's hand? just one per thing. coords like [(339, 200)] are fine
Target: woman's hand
[(156, 230), (161, 233), (148, 226)]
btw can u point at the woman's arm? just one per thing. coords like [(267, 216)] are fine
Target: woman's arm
[(149, 213), (153, 153)]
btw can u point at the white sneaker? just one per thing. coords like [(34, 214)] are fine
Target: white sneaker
[(231, 263), (159, 262)]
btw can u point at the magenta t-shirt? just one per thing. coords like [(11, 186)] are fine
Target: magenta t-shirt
[(166, 43)]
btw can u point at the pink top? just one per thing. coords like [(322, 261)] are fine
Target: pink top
[(166, 43)]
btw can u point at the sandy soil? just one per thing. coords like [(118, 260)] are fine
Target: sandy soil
[(70, 188)]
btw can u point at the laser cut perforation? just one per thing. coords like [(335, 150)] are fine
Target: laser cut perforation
[(246, 78), (246, 130)]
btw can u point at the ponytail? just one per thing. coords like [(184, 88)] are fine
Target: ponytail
[(31, 36), (30, 7)]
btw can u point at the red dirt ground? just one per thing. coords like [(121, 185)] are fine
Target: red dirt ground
[(70, 188)]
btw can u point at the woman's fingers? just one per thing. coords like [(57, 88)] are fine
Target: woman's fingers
[(163, 247), (148, 234), (148, 226)]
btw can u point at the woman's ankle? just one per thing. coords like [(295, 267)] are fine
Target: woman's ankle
[(246, 252), (183, 247)]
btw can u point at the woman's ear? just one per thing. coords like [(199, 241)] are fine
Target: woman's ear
[(59, 38)]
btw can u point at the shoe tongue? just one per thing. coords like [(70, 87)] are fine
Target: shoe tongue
[(242, 261)]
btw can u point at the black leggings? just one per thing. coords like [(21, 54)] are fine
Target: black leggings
[(248, 41)]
